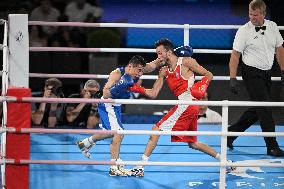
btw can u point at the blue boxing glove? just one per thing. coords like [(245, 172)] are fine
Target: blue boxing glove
[(184, 51), (119, 90)]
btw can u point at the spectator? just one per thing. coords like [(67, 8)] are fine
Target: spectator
[(23, 7), (206, 115), (37, 37), (45, 12), (46, 114), (60, 4), (66, 36), (84, 115), (81, 11)]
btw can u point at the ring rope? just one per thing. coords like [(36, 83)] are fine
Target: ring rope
[(139, 132), (145, 77), (148, 77), (141, 163), (132, 25), (121, 50), (143, 101)]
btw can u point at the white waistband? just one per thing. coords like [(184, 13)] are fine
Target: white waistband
[(185, 96), (112, 104)]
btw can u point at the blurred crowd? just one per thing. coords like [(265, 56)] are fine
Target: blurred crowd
[(56, 11), (62, 11), (50, 36)]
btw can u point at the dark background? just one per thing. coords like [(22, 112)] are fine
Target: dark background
[(230, 12)]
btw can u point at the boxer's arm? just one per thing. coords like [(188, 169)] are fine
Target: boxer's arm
[(151, 66), (121, 87), (199, 88), (114, 76), (193, 65), (153, 93)]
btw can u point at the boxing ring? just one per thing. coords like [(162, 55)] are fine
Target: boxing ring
[(55, 160)]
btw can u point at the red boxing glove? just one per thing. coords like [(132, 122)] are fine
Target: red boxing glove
[(137, 89), (199, 88)]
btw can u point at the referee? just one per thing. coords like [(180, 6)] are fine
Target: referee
[(257, 41)]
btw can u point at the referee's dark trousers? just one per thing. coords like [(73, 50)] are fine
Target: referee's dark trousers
[(258, 84)]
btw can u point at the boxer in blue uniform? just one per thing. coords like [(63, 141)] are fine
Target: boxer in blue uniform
[(120, 83)]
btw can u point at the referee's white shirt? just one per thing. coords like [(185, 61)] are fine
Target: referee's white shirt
[(258, 48)]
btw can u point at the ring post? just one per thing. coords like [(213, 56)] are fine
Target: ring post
[(18, 50), (186, 35), (18, 145)]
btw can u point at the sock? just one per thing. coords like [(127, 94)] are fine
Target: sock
[(217, 156), (113, 166), (144, 158), (88, 142)]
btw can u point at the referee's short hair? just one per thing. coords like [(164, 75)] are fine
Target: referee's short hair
[(258, 4)]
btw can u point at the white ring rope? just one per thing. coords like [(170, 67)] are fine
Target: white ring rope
[(144, 102), (107, 25), (121, 50), (149, 163), (73, 49), (148, 77), (86, 76), (132, 25), (140, 132)]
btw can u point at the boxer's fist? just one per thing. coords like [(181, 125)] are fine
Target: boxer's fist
[(121, 86), (198, 89), (137, 89)]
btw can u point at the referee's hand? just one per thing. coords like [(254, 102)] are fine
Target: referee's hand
[(234, 86)]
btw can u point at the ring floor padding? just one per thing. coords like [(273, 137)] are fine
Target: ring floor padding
[(62, 147)]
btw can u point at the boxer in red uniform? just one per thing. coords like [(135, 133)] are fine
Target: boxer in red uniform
[(179, 74)]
